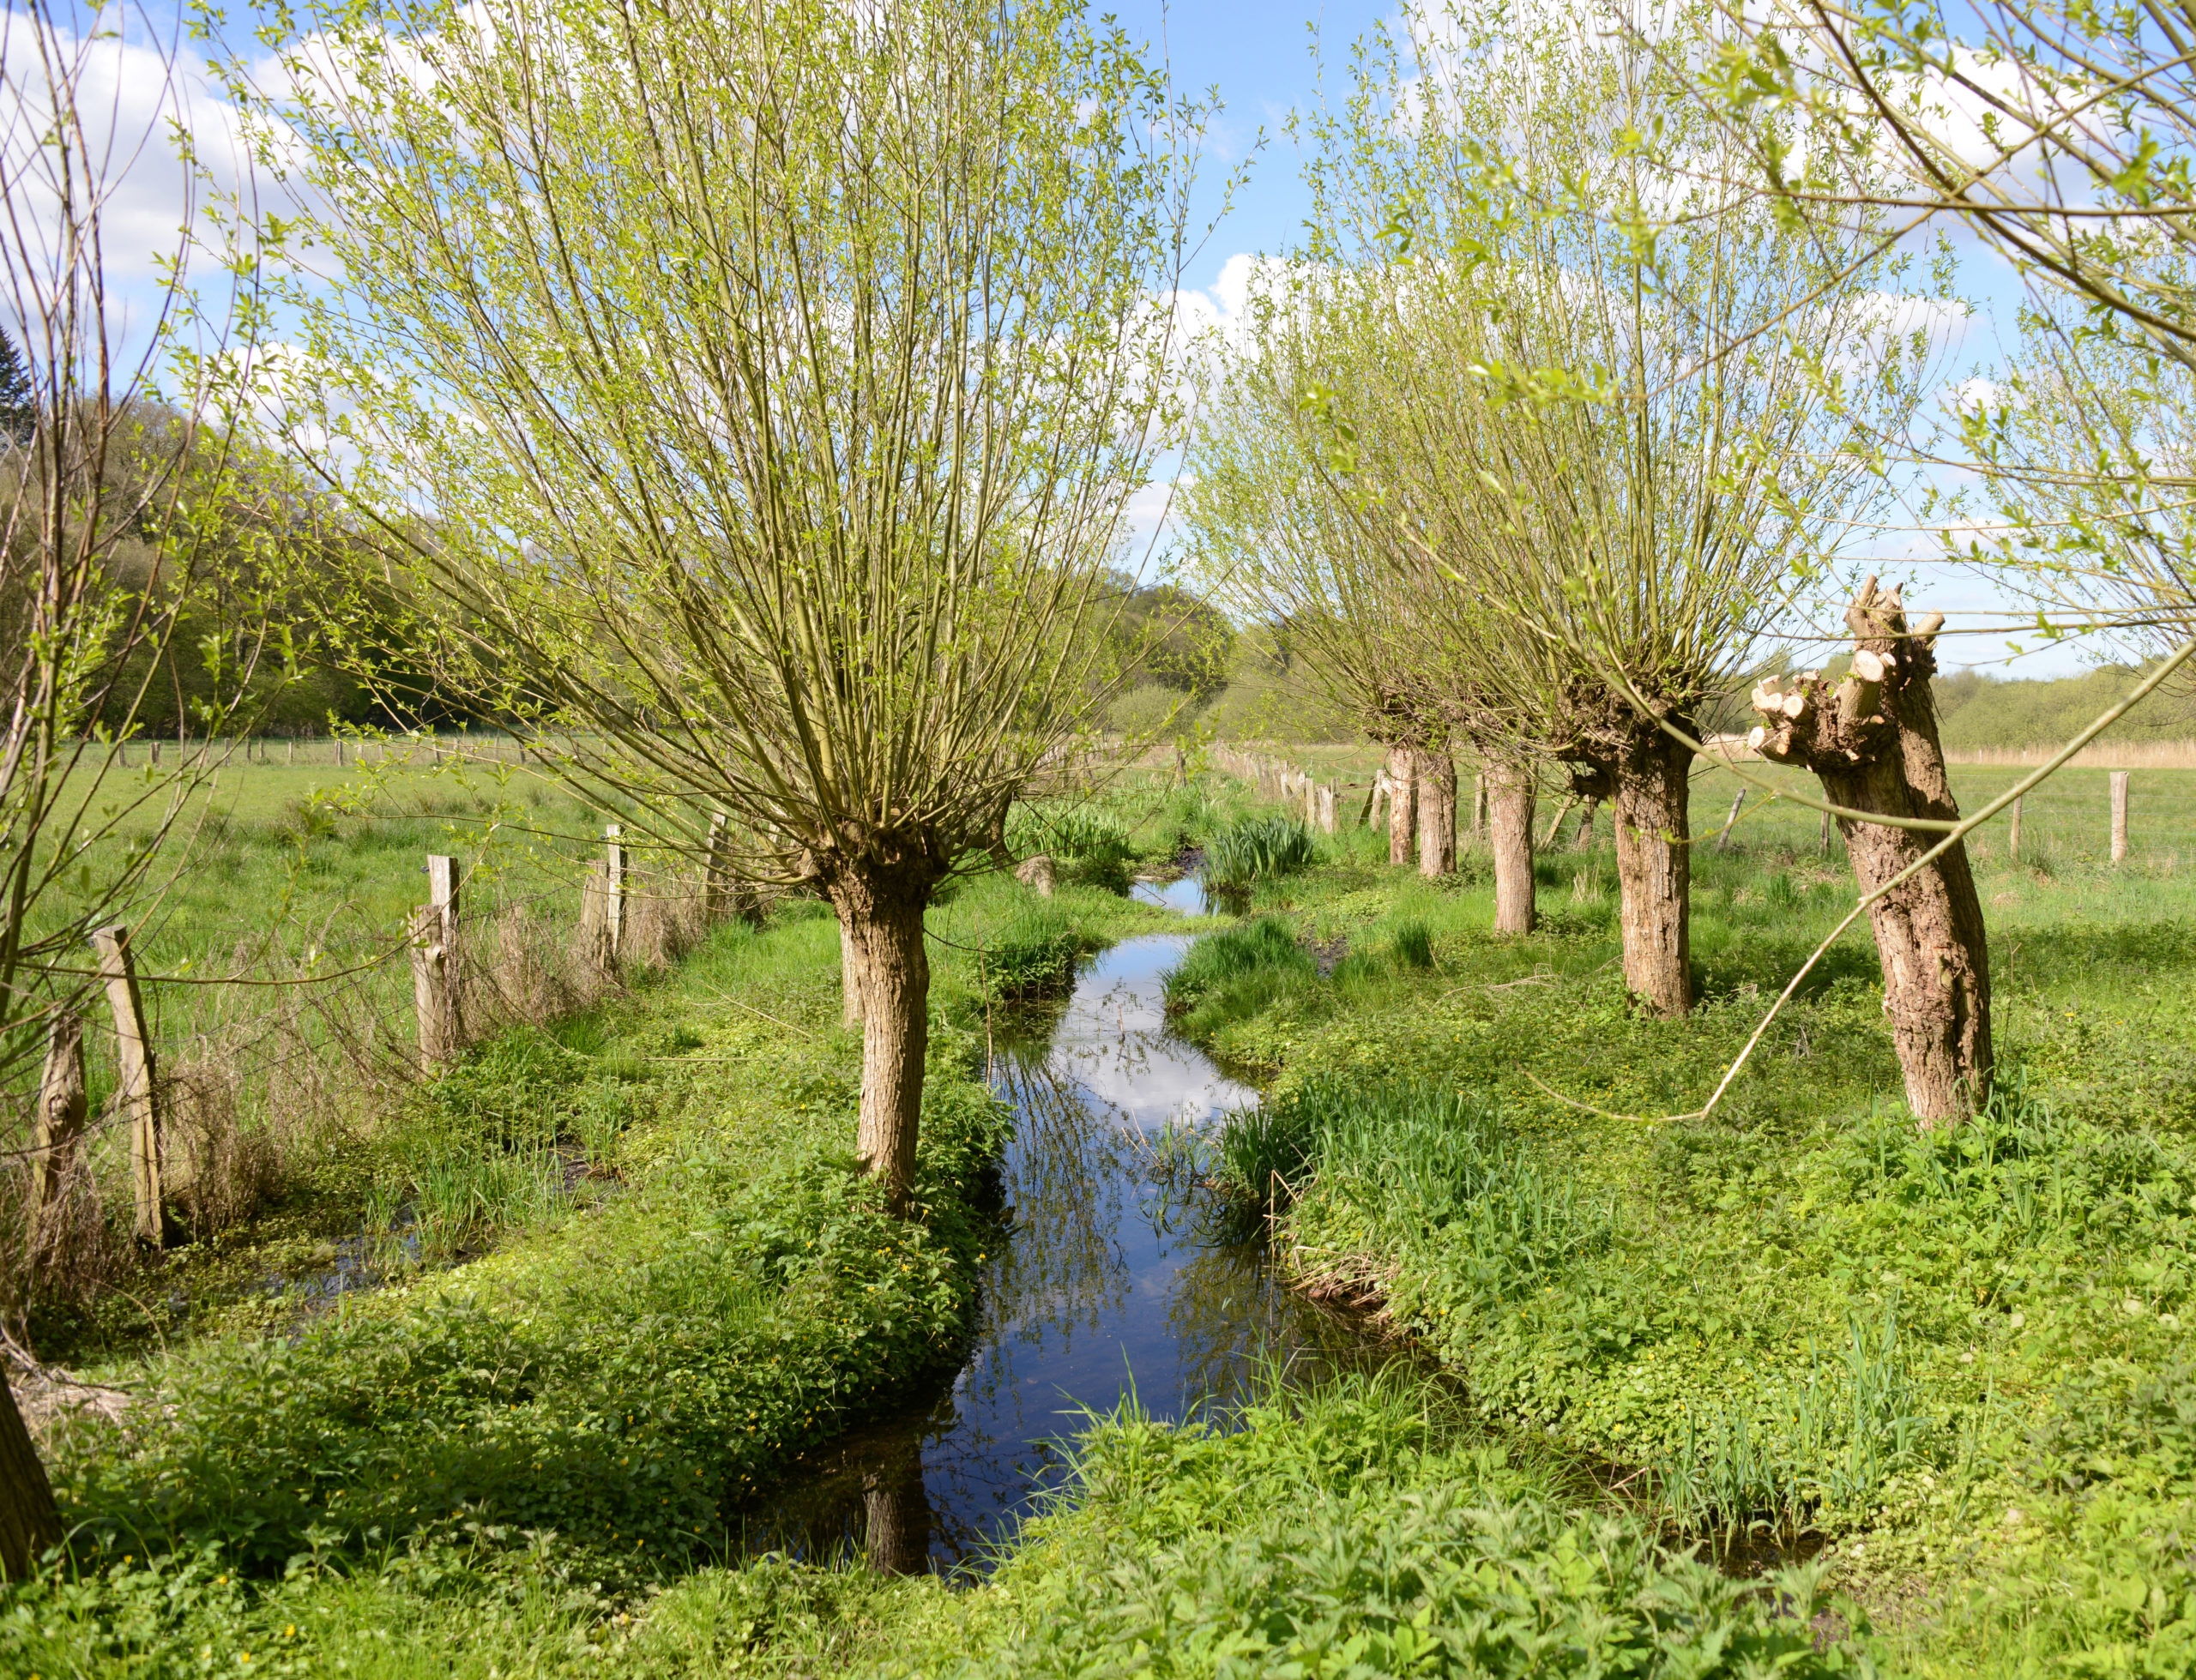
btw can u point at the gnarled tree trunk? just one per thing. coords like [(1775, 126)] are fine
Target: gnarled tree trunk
[(1436, 777), (29, 1522), (1510, 828), (1654, 868), (880, 922), (1402, 806), (1872, 741)]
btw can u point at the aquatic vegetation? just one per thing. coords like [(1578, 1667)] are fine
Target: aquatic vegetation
[(1262, 954)]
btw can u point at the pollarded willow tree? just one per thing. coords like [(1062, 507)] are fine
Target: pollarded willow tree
[(752, 395), (1617, 460), (1274, 532)]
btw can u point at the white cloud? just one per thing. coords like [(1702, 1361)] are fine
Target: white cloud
[(135, 93)]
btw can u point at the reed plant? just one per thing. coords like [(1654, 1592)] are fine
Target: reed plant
[(1256, 849)]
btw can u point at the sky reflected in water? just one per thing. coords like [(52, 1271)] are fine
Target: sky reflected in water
[(1102, 1287)]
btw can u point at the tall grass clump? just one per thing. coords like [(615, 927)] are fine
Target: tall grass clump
[(1261, 955), (1029, 948), (1091, 848), (1255, 849), (1388, 1170)]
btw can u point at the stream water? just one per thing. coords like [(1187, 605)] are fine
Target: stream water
[(1104, 1285)]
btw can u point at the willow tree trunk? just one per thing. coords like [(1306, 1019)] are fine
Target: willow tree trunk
[(1873, 743), (849, 981), (1402, 806), (1436, 777), (1509, 829), (30, 1523), (883, 929), (1654, 869)]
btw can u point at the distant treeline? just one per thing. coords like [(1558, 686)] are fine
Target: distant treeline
[(1982, 711)]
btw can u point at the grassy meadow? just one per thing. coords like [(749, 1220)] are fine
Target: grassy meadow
[(617, 1266)]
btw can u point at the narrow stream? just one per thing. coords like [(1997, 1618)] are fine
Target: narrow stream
[(1102, 1287)]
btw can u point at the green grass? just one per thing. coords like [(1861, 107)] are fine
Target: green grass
[(1960, 1357), (576, 1416), (1353, 1529)]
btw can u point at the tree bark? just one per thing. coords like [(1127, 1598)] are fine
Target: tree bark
[(1654, 869), (1873, 743), (1584, 839), (29, 1522), (1402, 807), (1510, 826), (1435, 776), (883, 933), (849, 981)]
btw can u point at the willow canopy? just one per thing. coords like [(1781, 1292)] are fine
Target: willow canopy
[(753, 396)]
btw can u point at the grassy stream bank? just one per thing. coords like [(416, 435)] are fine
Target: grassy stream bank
[(1955, 1362)]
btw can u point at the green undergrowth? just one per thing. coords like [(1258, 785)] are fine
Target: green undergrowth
[(583, 1408), (1349, 1530), (1346, 1530), (1960, 1355)]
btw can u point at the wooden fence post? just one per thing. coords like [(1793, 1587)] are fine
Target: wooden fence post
[(1723, 840), (1822, 846), (2013, 838), (55, 1127), (613, 907), (1555, 825), (436, 970), (1582, 840), (135, 1093), (2119, 816), (714, 892)]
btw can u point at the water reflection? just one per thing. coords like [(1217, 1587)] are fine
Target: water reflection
[(1103, 1286), (1185, 894)]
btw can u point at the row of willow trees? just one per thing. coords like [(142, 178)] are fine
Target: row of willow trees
[(748, 403), (1556, 426)]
